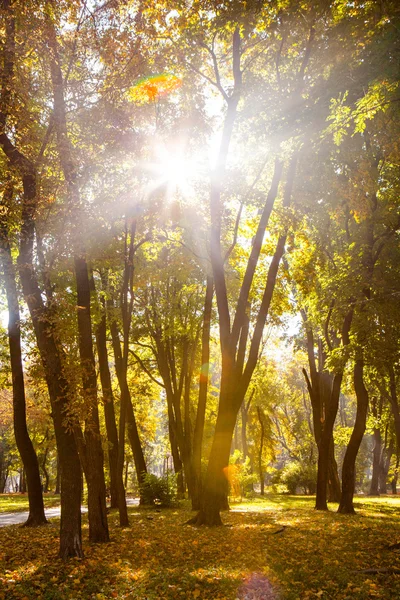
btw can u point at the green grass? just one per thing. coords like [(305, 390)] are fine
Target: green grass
[(317, 555), (19, 502)]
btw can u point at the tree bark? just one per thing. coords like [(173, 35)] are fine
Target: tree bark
[(57, 489), (117, 489), (202, 402), (384, 467), (260, 451), (42, 319), (126, 407), (93, 463), (25, 447), (329, 390), (108, 406), (349, 462), (376, 462)]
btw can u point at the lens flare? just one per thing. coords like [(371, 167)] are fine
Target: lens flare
[(149, 89)]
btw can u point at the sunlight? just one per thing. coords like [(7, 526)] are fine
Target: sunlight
[(173, 170)]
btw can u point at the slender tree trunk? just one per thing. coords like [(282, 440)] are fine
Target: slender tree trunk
[(91, 449), (260, 450), (116, 480), (316, 385), (94, 471), (393, 483), (45, 472), (24, 444), (203, 389), (349, 462), (376, 462), (126, 403), (329, 390), (42, 319), (394, 403), (384, 467)]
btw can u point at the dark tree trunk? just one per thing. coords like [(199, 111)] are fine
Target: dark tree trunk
[(70, 532), (90, 445), (126, 402), (393, 483), (320, 393), (376, 462), (384, 467), (334, 491), (57, 488), (329, 390), (22, 481), (93, 462), (45, 472), (203, 389), (25, 447), (244, 431), (216, 482), (108, 405), (349, 462), (116, 481), (260, 451), (394, 404)]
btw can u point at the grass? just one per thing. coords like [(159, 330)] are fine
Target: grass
[(317, 555), (19, 502)]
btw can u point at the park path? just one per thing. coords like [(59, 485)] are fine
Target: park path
[(16, 518)]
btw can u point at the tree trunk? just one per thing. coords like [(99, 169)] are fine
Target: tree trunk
[(376, 462), (329, 393), (393, 483), (57, 488), (126, 401), (25, 447), (93, 463), (22, 481), (70, 532), (260, 451), (216, 483), (108, 405), (334, 491), (116, 480), (316, 385), (45, 472), (349, 462), (91, 449), (203, 389), (384, 467), (394, 404)]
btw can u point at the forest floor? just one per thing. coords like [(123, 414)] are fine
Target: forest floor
[(277, 547)]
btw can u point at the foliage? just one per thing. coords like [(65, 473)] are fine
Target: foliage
[(298, 476), (159, 491)]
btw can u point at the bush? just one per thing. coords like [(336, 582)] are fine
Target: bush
[(298, 475), (159, 491)]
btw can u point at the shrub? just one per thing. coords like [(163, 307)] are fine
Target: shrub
[(159, 491), (300, 475)]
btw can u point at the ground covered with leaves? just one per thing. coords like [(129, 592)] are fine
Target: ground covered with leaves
[(273, 548)]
